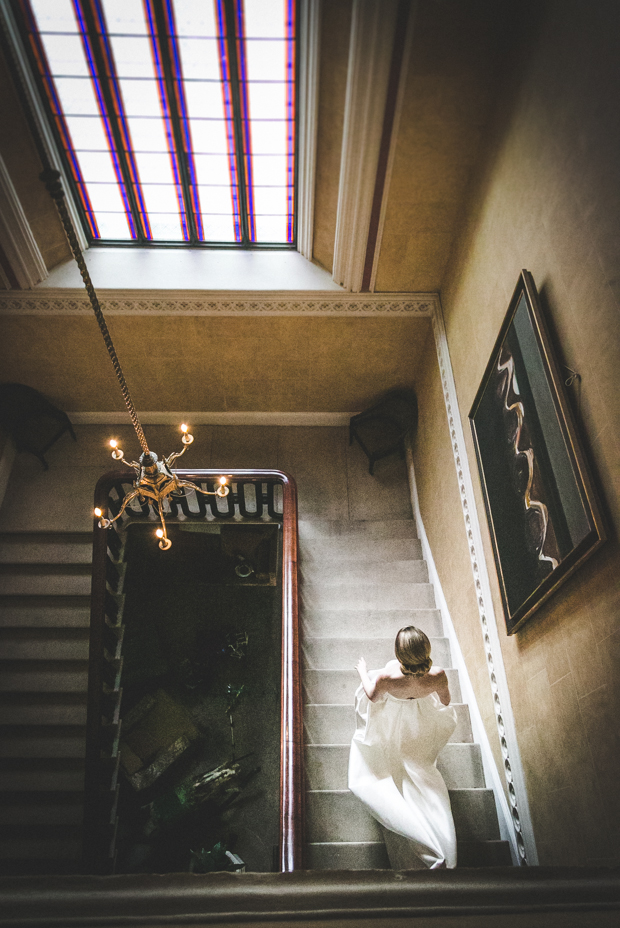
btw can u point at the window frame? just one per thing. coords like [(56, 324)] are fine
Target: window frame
[(45, 112)]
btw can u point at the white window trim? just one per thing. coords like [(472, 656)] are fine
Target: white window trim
[(308, 97)]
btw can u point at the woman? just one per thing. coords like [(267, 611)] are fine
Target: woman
[(404, 719)]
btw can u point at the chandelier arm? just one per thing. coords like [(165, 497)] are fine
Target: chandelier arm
[(192, 486), (126, 501), (51, 179)]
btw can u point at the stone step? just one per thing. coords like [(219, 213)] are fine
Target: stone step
[(338, 687), (355, 595), (337, 815), (44, 644), (371, 855), (369, 623), (43, 848), (54, 811), (46, 548), (326, 766), (346, 855), (354, 548), (45, 579), (45, 611), (379, 528), (25, 709), (43, 677), (39, 741), (42, 775), (329, 724), (344, 653), (333, 574)]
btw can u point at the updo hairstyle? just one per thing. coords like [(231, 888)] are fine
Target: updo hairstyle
[(413, 651)]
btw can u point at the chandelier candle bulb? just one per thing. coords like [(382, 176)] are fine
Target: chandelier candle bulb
[(187, 439)]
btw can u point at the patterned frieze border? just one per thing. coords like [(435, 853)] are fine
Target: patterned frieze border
[(46, 302), (513, 769)]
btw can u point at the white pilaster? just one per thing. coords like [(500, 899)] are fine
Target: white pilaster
[(370, 55), (16, 238), (309, 47)]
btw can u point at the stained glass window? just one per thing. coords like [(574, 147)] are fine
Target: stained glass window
[(176, 117)]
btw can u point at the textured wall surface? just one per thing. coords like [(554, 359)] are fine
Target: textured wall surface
[(286, 364), (450, 87), (548, 200)]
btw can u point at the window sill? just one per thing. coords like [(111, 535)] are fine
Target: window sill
[(192, 269)]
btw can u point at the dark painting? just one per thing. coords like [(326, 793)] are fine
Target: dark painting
[(542, 513)]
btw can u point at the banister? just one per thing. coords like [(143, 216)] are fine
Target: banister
[(103, 603)]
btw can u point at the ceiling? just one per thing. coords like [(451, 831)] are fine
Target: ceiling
[(313, 364)]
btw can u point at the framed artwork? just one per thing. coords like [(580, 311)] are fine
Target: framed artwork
[(543, 514)]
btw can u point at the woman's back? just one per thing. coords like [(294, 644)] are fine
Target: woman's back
[(407, 686)]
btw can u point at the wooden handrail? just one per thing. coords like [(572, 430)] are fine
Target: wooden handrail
[(519, 896), (291, 725)]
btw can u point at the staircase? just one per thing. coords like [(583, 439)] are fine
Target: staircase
[(360, 583), (44, 627)]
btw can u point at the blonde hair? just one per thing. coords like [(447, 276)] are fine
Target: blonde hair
[(413, 651)]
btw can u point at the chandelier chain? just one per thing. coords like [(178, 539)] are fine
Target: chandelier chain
[(51, 179)]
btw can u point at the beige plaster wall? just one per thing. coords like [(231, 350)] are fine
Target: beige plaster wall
[(273, 363), (450, 87), (334, 52), (24, 167), (548, 200)]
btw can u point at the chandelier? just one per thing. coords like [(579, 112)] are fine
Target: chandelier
[(155, 481)]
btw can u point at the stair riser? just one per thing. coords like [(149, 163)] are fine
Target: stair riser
[(343, 653), (352, 597), (319, 529), (354, 548), (42, 781), (43, 615), (43, 715), (336, 725), (14, 681), (17, 584), (43, 747), (326, 766), (29, 649), (41, 850), (368, 624), (338, 687), (55, 813), (341, 856), (332, 575), (340, 816), (40, 549)]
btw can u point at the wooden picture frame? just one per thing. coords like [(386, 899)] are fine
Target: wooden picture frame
[(543, 513)]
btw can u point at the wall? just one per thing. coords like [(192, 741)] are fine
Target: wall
[(22, 161), (547, 200), (272, 363)]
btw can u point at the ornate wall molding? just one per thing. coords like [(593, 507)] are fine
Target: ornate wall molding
[(70, 302), (513, 768)]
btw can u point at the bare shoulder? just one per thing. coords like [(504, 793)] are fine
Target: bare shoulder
[(437, 674)]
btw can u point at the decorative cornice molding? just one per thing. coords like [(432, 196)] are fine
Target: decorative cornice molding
[(58, 302), (513, 769), (370, 54), (309, 37), (121, 417), (18, 242)]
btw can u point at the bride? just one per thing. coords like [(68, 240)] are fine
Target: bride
[(404, 719)]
